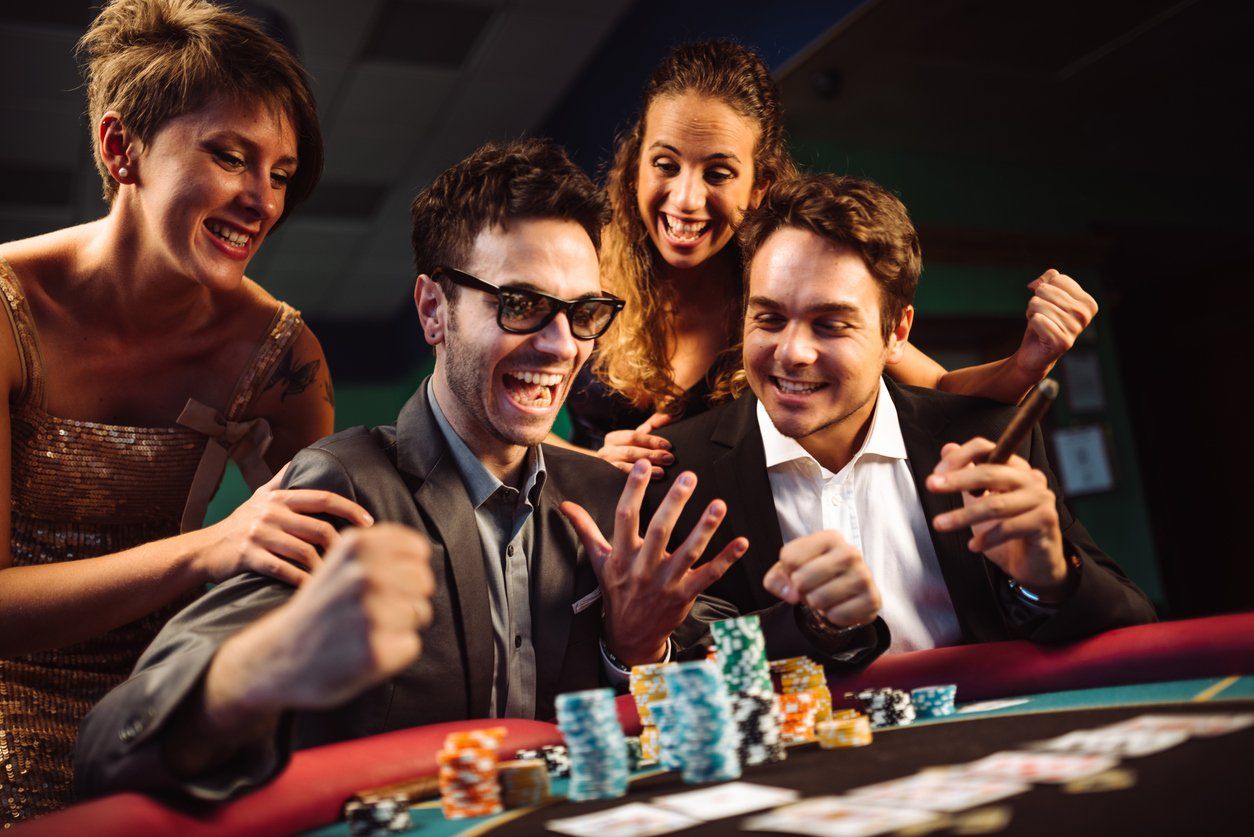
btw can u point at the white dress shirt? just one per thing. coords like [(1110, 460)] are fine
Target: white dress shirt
[(874, 505)]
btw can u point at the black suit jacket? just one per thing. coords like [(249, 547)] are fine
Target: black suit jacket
[(724, 448), (404, 474)]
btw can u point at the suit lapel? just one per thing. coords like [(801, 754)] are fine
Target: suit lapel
[(740, 479), (965, 573), (553, 579), (442, 499)]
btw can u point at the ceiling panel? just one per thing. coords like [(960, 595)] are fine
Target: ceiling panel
[(392, 95)]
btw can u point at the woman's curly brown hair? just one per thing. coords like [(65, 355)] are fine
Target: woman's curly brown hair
[(632, 357)]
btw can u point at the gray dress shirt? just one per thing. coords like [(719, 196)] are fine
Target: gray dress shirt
[(503, 516)]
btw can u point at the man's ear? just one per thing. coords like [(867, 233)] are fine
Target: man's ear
[(899, 336), (118, 148), (432, 307)]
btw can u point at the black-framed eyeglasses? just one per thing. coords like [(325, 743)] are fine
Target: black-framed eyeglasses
[(524, 311)]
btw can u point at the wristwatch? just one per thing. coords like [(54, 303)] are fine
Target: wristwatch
[(1069, 585), (622, 667)]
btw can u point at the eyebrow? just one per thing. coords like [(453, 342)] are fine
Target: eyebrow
[(717, 155), (219, 136), (822, 308)]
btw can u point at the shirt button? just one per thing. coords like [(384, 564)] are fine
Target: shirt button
[(518, 640), (835, 499), (509, 550)]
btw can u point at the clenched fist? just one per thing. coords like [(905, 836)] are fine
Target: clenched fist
[(354, 624), (825, 572)]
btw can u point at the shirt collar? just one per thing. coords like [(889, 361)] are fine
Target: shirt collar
[(481, 483), (884, 438)]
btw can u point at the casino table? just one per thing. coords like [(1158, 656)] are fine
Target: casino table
[(1201, 665)]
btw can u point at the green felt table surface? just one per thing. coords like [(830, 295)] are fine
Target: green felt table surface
[(428, 820)]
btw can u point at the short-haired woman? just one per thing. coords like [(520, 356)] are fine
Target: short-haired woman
[(136, 357)]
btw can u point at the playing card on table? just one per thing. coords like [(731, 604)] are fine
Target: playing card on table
[(834, 816), (990, 705), (1205, 726), (939, 791), (726, 800), (635, 819), (1036, 767), (1114, 741)]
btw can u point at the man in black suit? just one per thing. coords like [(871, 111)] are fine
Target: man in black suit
[(508, 293), (866, 502)]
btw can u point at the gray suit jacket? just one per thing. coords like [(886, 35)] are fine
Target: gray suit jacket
[(403, 474)]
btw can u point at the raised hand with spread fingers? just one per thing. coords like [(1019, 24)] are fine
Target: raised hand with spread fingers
[(648, 591)]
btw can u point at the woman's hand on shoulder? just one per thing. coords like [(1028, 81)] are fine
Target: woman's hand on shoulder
[(275, 533), (1057, 313), (623, 448)]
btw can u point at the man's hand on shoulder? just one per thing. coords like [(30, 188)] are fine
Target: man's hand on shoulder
[(647, 591), (827, 574), (1011, 511), (352, 625)]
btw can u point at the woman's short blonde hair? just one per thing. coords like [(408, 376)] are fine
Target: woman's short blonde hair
[(153, 60)]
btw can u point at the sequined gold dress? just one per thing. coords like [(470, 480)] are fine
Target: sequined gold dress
[(82, 489)]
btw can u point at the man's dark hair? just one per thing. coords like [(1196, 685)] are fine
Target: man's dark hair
[(859, 214), (502, 181)]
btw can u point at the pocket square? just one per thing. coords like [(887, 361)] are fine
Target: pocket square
[(587, 601)]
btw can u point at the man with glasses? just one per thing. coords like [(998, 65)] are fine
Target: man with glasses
[(515, 609)]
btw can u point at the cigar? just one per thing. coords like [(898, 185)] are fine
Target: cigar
[(1031, 411)]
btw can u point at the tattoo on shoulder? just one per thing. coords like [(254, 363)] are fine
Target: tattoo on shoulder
[(295, 377), (328, 393)]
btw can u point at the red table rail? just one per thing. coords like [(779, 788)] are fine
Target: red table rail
[(311, 791)]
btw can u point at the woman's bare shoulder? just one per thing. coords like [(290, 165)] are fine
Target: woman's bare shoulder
[(43, 260)]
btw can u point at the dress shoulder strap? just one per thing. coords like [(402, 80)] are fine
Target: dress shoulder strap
[(284, 329), (230, 436), (23, 324)]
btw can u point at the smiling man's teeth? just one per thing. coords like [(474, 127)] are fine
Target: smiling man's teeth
[(533, 389), (227, 234), (684, 230), (544, 379), (797, 387)]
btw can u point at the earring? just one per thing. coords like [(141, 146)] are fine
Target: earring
[(122, 172)]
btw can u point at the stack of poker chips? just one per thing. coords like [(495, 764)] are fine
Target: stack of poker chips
[(805, 698), (740, 653), (757, 722), (554, 756), (708, 740), (594, 738), (669, 753), (378, 816), (647, 688), (844, 729), (635, 753), (468, 770), (933, 701), (885, 707), (741, 659), (524, 783)]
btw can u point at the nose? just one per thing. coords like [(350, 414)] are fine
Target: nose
[(688, 192), (795, 348), (556, 340), (260, 198)]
